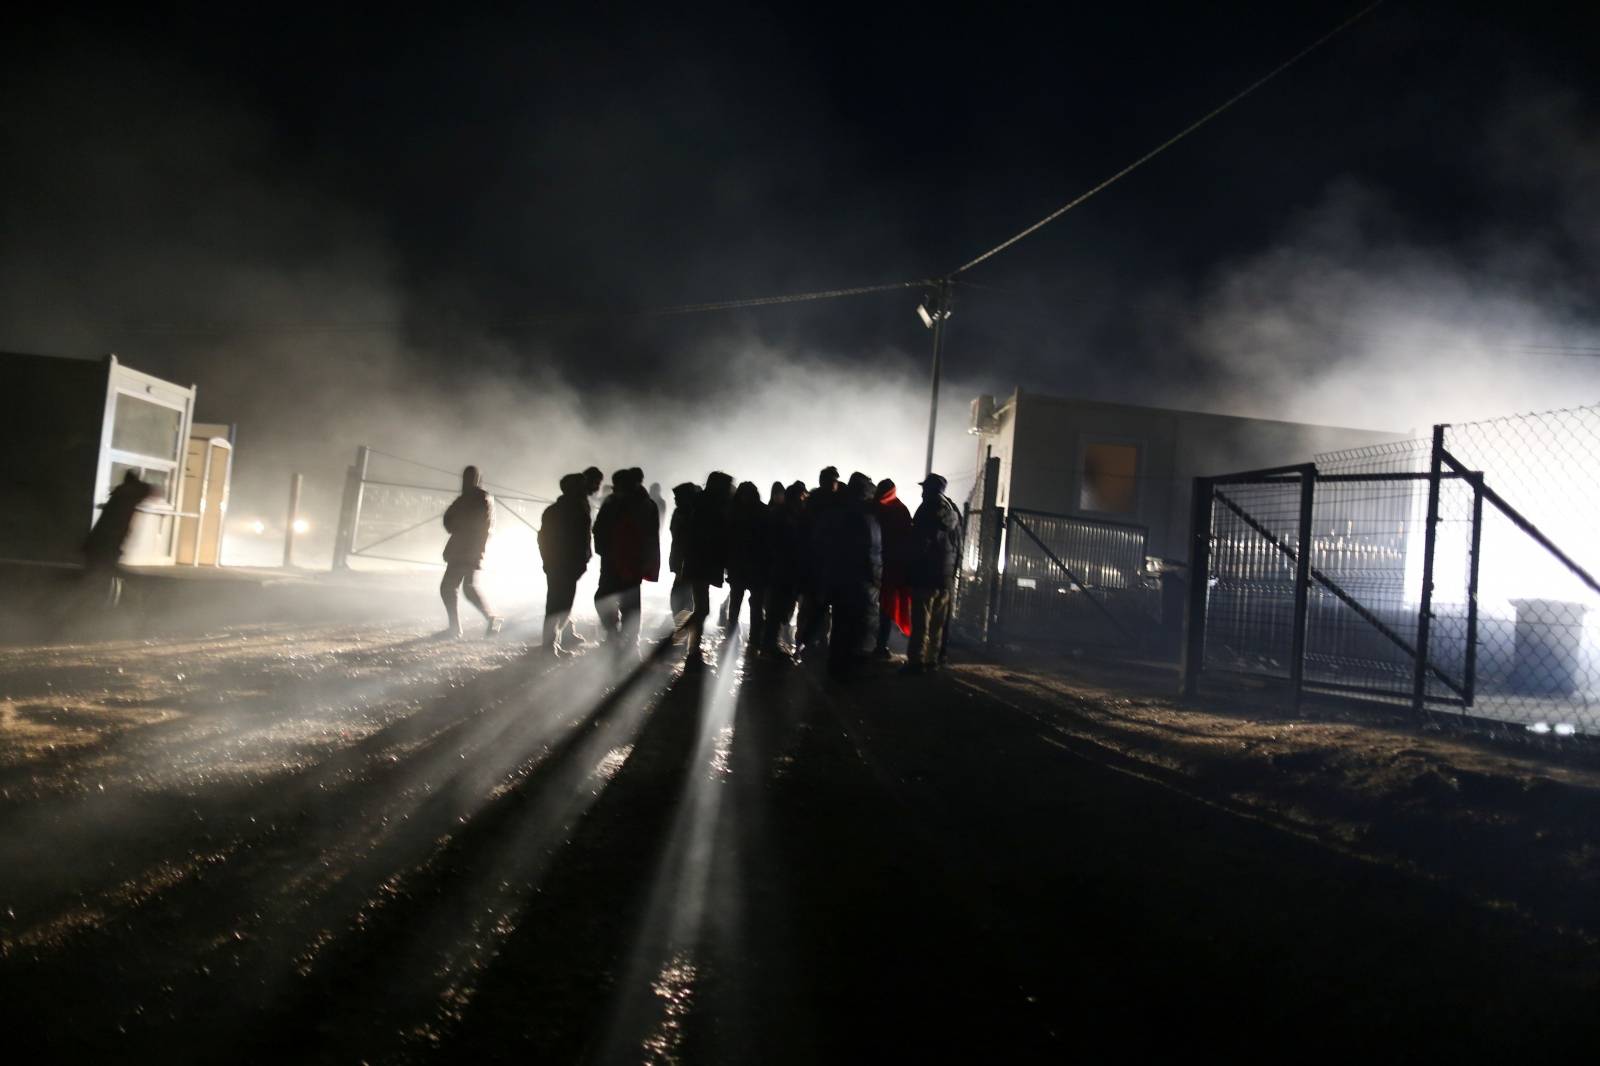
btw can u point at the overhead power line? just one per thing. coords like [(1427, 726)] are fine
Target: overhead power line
[(787, 298), (1174, 139), (560, 316)]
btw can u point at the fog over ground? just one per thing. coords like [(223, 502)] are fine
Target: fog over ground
[(156, 209)]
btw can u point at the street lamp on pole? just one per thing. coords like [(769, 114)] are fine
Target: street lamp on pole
[(934, 318)]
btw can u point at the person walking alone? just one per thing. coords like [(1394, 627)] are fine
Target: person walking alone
[(469, 520), (935, 554), (564, 550)]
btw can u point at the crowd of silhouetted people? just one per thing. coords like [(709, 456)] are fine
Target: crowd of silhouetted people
[(839, 566)]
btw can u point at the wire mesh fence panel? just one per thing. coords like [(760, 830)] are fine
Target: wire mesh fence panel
[(1361, 609), (1250, 596), (401, 515), (1537, 607), (1077, 581)]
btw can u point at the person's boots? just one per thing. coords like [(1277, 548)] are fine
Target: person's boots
[(549, 646)]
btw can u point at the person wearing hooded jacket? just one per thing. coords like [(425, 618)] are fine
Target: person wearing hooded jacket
[(705, 557), (850, 552), (894, 602), (102, 548), (469, 520), (936, 536), (788, 563), (627, 539), (749, 531), (564, 550), (813, 619), (681, 598)]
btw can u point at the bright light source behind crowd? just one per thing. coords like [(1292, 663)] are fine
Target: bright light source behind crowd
[(301, 525), (258, 527)]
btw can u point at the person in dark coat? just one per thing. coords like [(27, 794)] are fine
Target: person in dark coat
[(788, 563), (627, 537), (813, 621), (682, 596), (850, 551), (894, 601), (564, 550), (705, 557), (102, 548), (469, 520), (749, 533), (936, 535)]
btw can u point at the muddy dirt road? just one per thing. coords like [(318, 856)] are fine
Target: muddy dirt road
[(355, 844)]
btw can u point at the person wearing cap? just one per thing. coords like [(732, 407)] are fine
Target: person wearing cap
[(935, 553)]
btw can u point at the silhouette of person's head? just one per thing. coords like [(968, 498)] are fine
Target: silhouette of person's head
[(470, 479), (574, 485), (859, 487), (886, 491), (795, 495), (593, 478), (775, 495), (933, 486), (828, 479), (747, 495), (655, 490), (719, 484)]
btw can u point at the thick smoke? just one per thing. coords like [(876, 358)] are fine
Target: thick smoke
[(188, 237), (1357, 318)]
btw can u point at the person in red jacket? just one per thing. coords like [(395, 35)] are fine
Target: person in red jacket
[(894, 602), (469, 521), (627, 537)]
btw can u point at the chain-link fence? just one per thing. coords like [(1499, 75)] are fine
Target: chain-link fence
[(1518, 551), (1454, 573), (394, 508)]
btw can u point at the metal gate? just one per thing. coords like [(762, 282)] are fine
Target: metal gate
[(1074, 581), (1030, 577), (393, 509), (1403, 574)]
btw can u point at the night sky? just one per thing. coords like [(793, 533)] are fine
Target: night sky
[(341, 191)]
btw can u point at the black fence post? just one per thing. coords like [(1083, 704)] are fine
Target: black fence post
[(1430, 537), (350, 509), (1302, 584), (1469, 666), (989, 541), (1194, 644)]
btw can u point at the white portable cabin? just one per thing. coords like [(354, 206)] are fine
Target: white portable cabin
[(72, 428)]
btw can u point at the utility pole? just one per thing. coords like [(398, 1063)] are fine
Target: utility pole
[(934, 318)]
